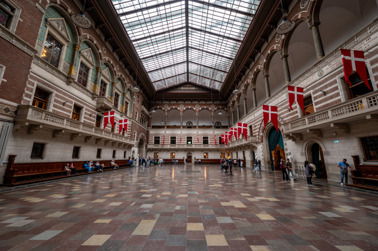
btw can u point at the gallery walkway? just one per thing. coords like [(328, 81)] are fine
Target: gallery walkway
[(187, 208)]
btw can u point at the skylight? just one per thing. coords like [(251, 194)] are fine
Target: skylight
[(181, 41)]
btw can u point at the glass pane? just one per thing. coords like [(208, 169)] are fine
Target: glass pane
[(170, 46)]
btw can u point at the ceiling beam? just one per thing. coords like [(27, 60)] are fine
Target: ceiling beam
[(208, 67), (204, 77), (162, 53), (147, 8), (216, 34), (223, 7), (165, 67), (158, 34)]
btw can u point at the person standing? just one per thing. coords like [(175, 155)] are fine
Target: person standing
[(289, 168), (343, 165), (308, 172), (285, 176)]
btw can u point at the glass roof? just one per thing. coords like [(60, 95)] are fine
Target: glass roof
[(181, 41)]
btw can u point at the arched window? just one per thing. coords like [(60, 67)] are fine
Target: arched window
[(218, 125), (189, 124)]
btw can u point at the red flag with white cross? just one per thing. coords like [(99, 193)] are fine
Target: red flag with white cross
[(222, 139), (215, 139), (296, 95), (122, 125), (163, 139), (270, 115), (108, 117), (226, 135), (243, 129), (354, 61), (234, 132)]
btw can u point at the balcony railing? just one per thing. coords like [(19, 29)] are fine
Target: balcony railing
[(34, 116), (184, 146), (242, 142), (103, 104), (346, 112)]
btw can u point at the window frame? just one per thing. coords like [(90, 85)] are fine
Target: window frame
[(304, 107), (84, 62), (348, 88), (98, 153), (41, 154), (156, 139), (48, 99), (114, 154), (106, 88), (81, 112), (77, 155), (116, 102), (189, 139), (12, 25), (205, 155), (57, 35), (205, 139), (101, 121), (173, 138), (173, 154), (365, 148)]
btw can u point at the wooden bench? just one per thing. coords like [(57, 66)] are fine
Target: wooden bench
[(364, 176), (24, 173)]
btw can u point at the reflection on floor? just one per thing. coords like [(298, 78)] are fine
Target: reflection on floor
[(187, 208)]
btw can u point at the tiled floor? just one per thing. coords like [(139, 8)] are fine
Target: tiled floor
[(187, 208)]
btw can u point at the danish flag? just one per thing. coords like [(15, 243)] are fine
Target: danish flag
[(296, 95), (215, 139), (197, 139), (270, 114), (234, 131), (163, 139), (122, 125), (224, 138), (226, 135), (354, 61), (180, 139), (243, 129), (108, 116)]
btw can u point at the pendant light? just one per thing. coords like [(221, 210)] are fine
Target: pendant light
[(80, 19)]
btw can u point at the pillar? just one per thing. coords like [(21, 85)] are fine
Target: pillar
[(267, 88), (71, 70), (317, 40), (181, 118), (245, 106), (98, 80), (237, 113), (254, 98), (112, 91), (286, 69)]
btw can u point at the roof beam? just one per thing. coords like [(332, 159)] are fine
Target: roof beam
[(207, 67), (157, 34), (205, 77), (212, 53), (154, 82), (215, 34), (224, 8), (187, 38), (162, 53), (165, 67), (147, 8)]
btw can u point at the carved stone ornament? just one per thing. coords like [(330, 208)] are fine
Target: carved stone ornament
[(87, 53), (81, 21), (285, 27), (303, 3)]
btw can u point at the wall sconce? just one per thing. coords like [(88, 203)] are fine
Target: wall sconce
[(324, 93), (64, 103)]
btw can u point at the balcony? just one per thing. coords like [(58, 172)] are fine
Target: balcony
[(242, 143), (338, 116), (185, 147), (34, 119), (103, 104)]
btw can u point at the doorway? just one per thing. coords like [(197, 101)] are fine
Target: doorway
[(276, 148), (189, 157), (318, 160)]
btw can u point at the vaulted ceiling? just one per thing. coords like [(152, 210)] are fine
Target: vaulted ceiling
[(189, 41)]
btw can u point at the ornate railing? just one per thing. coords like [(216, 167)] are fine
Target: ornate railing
[(358, 106), (36, 116)]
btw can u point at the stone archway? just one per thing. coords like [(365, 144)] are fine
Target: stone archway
[(315, 154), (142, 146)]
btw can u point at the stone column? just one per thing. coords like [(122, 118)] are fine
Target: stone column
[(181, 118), (123, 108), (245, 106), (267, 88), (232, 117), (197, 119), (254, 98), (112, 91), (71, 70), (212, 119), (165, 119), (317, 40), (237, 113), (98, 80), (286, 69)]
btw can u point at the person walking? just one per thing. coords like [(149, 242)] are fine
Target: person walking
[(308, 172), (343, 165)]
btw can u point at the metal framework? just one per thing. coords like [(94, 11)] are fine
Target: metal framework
[(186, 40)]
